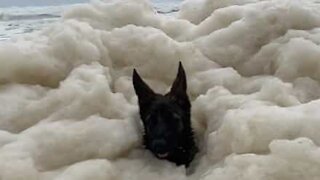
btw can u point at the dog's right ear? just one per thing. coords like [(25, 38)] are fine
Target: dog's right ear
[(144, 92), (178, 90)]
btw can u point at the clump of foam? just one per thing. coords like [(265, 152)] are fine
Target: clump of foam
[(69, 111), (296, 159)]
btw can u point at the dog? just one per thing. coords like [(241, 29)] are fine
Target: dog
[(166, 120)]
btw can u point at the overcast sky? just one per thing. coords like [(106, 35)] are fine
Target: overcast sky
[(6, 3)]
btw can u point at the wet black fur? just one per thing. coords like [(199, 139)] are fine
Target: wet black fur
[(166, 120)]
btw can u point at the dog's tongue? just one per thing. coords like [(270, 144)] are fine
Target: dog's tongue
[(163, 155)]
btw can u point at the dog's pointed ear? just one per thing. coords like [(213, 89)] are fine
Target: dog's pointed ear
[(178, 90), (144, 92), (179, 87)]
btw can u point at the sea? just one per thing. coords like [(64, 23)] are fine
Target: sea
[(20, 17)]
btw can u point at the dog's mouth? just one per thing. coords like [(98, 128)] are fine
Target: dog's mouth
[(162, 155)]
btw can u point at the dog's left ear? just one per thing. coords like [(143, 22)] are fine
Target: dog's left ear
[(179, 88)]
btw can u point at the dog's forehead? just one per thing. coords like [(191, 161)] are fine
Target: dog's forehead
[(163, 102), (164, 105)]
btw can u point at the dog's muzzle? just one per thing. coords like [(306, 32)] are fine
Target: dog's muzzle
[(160, 148)]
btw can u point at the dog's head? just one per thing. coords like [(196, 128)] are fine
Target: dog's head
[(166, 118)]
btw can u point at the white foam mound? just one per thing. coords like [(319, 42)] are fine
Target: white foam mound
[(68, 110)]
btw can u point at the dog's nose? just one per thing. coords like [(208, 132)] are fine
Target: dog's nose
[(159, 146)]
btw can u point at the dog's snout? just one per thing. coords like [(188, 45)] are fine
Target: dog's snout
[(160, 146)]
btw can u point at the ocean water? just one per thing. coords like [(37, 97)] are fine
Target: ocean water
[(19, 20), (68, 110), (23, 19)]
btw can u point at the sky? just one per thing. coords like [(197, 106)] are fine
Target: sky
[(7, 3)]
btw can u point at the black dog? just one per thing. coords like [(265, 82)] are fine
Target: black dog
[(166, 119)]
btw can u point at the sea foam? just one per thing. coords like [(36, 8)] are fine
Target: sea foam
[(68, 109)]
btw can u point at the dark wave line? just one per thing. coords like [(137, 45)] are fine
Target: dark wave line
[(168, 12), (8, 17)]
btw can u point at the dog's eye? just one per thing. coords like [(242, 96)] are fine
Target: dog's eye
[(176, 116), (178, 121), (148, 117)]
